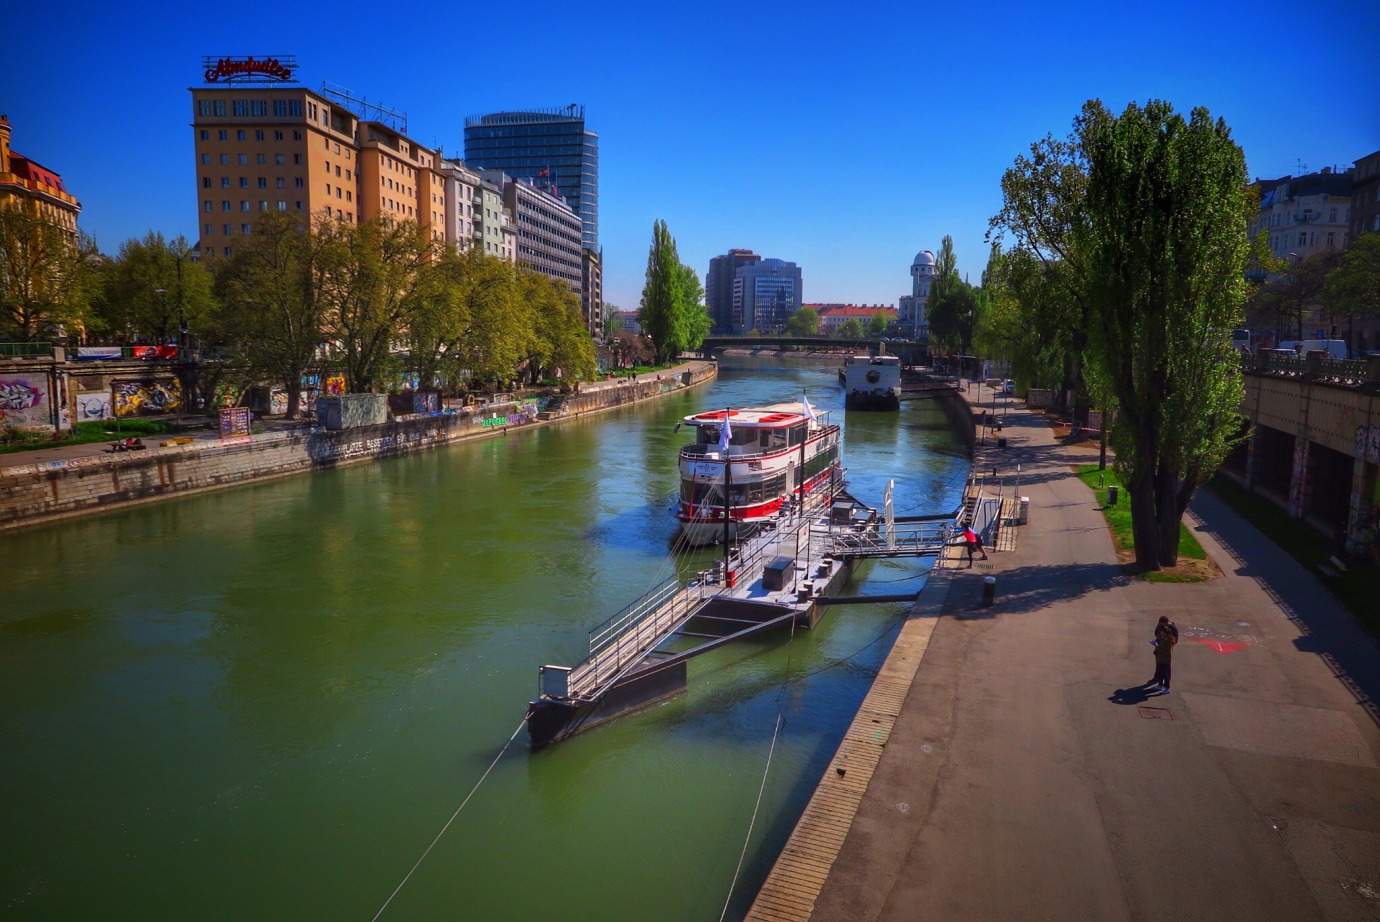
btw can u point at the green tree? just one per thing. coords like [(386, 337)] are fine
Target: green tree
[(953, 316), (851, 328), (273, 304), (372, 293), (46, 277), (1352, 290), (1295, 291), (153, 289), (672, 311), (560, 345), (1165, 247), (878, 324), (804, 322)]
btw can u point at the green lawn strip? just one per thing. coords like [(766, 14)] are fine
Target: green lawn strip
[(81, 434), (1119, 520), (1357, 588)]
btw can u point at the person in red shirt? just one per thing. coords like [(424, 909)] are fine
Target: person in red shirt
[(973, 542)]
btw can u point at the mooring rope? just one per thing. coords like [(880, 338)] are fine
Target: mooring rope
[(766, 769), (449, 821)]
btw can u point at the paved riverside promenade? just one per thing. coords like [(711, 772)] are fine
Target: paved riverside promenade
[(1028, 775)]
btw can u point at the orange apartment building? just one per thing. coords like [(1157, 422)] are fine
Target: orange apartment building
[(33, 187), (280, 147)]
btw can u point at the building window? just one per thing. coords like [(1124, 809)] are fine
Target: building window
[(205, 182), (220, 108), (263, 182), (298, 203), (337, 169), (347, 195), (260, 159), (297, 135), (297, 159), (280, 108), (209, 229), (244, 228), (228, 228), (259, 135), (205, 135), (229, 251), (1303, 239), (241, 108), (259, 107), (282, 206), (244, 160), (337, 149), (225, 182), (280, 183), (277, 136), (244, 182), (278, 159), (223, 135), (263, 206), (347, 174), (203, 108), (207, 206), (224, 205), (328, 188), (239, 135), (206, 159), (326, 143), (244, 205), (297, 182)]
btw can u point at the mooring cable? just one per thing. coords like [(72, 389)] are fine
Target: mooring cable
[(451, 820), (766, 770)]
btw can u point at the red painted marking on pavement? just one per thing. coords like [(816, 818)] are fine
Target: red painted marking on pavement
[(1221, 647)]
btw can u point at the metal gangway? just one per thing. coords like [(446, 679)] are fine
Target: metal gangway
[(620, 644)]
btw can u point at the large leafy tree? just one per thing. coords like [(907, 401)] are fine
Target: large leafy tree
[(804, 322), (851, 328), (1164, 246), (1296, 289), (560, 345), (377, 282), (661, 295), (1352, 290), (877, 325), (153, 289), (273, 300), (46, 277)]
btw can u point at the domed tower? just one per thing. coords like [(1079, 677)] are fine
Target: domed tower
[(911, 316)]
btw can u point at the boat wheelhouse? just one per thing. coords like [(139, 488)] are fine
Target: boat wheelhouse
[(757, 469), (871, 382)]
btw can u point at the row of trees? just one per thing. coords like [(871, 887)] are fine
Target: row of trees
[(1344, 286), (372, 299)]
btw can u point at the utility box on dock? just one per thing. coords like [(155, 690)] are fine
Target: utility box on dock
[(775, 575), (1023, 513), (841, 514)]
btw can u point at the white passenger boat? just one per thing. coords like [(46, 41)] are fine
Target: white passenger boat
[(755, 456), (871, 382)]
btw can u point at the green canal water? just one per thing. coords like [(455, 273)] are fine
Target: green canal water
[(266, 702)]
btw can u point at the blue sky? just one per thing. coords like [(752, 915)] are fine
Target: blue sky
[(844, 138)]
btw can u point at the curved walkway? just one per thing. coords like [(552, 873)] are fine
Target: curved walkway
[(1029, 775)]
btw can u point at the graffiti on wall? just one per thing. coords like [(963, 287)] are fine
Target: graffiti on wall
[(335, 385), (226, 395), (22, 404), (1368, 443), (93, 406), (146, 398)]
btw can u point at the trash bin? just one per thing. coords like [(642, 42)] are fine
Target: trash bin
[(1023, 515), (1001, 441), (1113, 494)]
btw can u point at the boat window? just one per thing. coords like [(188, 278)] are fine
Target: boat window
[(778, 439), (797, 435), (764, 438)]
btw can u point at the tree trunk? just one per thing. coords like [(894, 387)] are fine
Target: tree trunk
[(1167, 517), (1143, 528), (293, 396)]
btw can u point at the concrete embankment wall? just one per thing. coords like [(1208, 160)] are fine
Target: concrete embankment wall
[(33, 493)]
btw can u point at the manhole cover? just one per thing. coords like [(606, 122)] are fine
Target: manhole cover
[(1154, 713)]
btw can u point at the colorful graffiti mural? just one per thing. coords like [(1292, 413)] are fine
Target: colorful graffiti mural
[(22, 403), (335, 385), (146, 398)]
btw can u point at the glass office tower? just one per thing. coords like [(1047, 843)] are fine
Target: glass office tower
[(551, 149)]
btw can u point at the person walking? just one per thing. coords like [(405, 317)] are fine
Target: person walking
[(1166, 636), (974, 544)]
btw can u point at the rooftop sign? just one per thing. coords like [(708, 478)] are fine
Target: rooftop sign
[(278, 69)]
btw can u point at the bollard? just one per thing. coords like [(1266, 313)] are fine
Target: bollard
[(989, 590), (1001, 441)]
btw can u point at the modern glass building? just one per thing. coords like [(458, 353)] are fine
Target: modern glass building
[(550, 149)]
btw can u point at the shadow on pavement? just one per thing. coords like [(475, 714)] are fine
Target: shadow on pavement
[(1137, 695), (1033, 588)]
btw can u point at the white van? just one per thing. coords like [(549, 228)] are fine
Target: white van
[(1335, 348)]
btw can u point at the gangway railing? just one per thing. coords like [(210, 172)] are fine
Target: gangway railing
[(902, 539)]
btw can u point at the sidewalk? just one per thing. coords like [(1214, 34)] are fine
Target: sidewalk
[(1028, 776)]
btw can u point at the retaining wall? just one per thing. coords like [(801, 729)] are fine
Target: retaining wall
[(33, 493)]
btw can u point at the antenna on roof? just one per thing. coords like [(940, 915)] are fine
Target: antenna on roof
[(1300, 166)]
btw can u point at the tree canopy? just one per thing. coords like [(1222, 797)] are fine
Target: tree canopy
[(46, 277), (1137, 224), (804, 322), (672, 311)]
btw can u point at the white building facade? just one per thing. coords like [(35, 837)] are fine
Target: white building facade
[(912, 317)]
